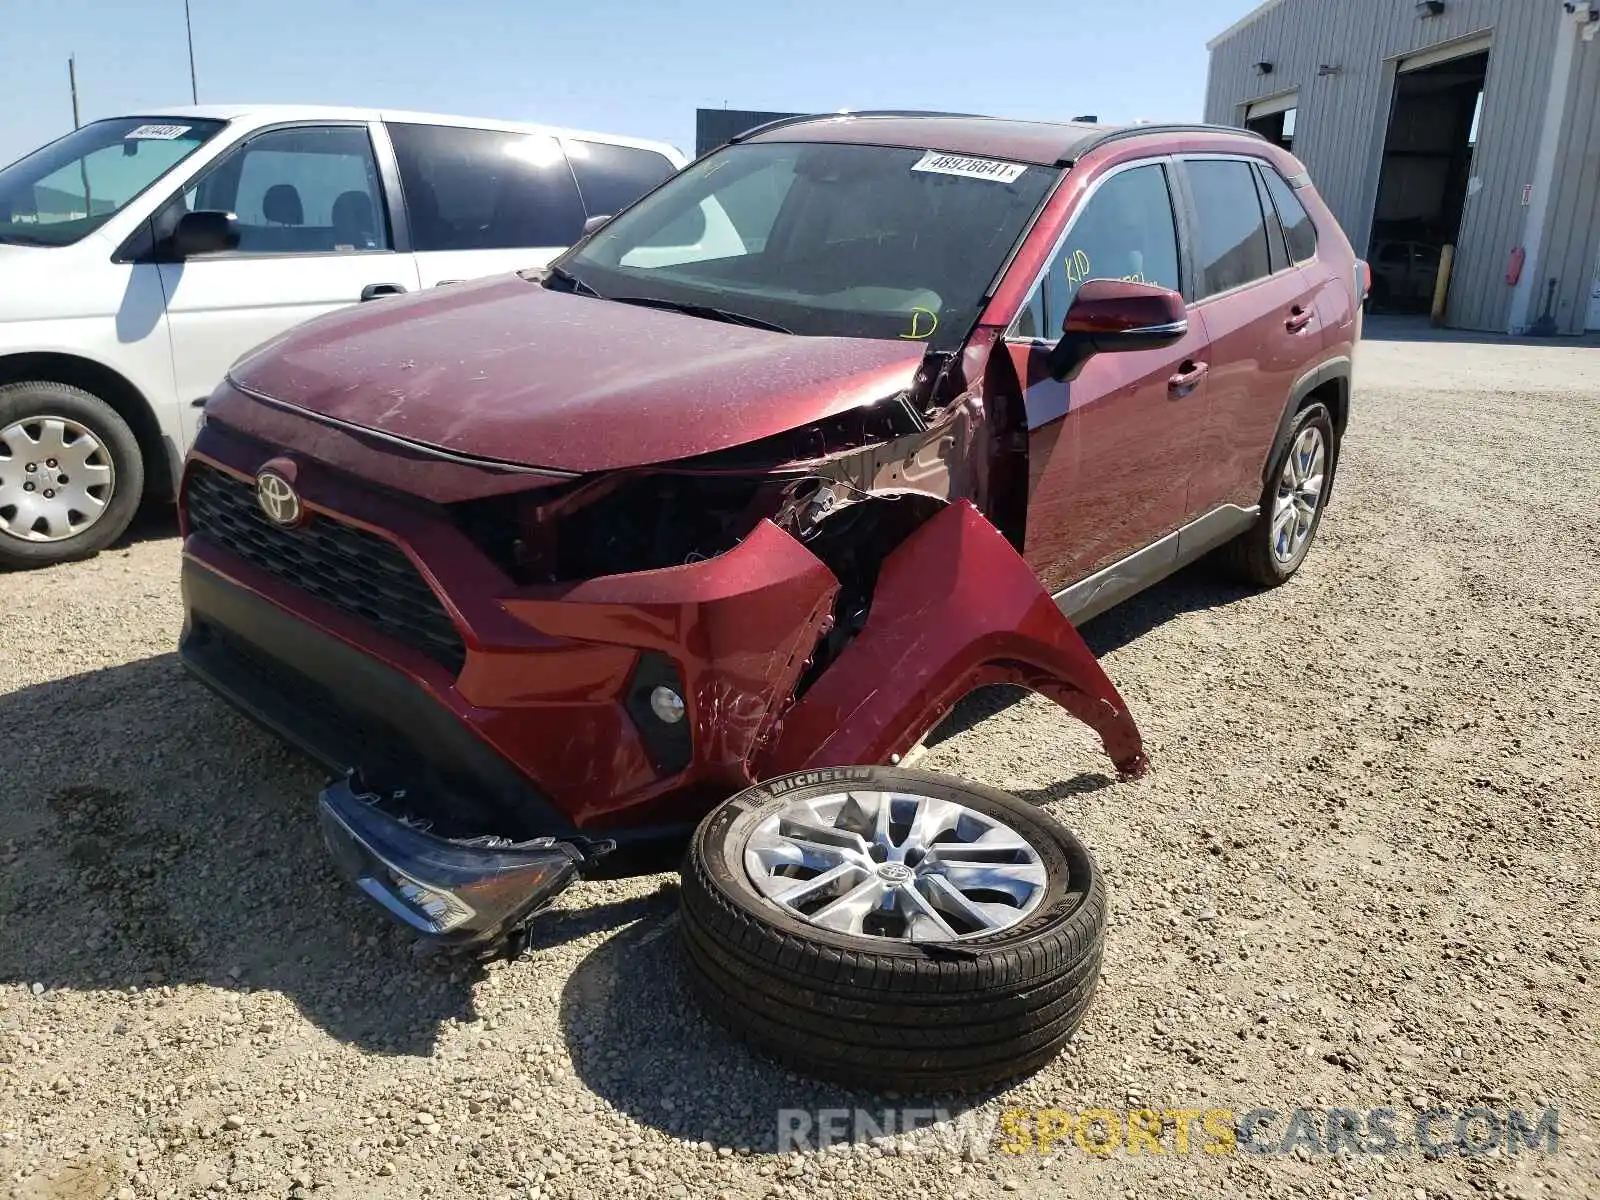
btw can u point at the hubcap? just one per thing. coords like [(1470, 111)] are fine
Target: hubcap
[(1299, 495), (55, 479), (895, 865)]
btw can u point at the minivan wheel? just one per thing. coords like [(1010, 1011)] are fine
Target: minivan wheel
[(889, 928), (1275, 547), (70, 474)]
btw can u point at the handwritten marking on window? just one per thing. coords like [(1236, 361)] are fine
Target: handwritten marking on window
[(923, 323)]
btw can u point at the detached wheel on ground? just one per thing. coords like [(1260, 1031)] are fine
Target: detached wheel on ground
[(1273, 549), (70, 474), (888, 928)]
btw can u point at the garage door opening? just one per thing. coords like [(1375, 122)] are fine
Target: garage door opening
[(1274, 119), (1426, 174)]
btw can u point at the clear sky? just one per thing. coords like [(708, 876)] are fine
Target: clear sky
[(625, 67)]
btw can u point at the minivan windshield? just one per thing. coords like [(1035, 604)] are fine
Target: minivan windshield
[(820, 239), (68, 189)]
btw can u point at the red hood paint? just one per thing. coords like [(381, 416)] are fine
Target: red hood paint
[(504, 369)]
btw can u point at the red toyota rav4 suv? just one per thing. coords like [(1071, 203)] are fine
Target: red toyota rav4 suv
[(846, 419)]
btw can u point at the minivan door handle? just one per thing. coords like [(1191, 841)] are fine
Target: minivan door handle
[(1299, 317), (1187, 378), (373, 290)]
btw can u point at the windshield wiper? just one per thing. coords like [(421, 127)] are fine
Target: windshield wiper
[(577, 285), (702, 310)]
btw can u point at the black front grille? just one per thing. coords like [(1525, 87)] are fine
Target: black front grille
[(358, 572)]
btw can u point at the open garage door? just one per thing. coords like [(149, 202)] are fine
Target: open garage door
[(1274, 118)]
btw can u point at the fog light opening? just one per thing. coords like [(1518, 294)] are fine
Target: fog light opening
[(666, 704)]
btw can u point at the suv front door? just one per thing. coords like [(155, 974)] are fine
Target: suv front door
[(1110, 453), (313, 237)]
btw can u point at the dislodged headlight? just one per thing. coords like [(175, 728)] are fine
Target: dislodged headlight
[(465, 892)]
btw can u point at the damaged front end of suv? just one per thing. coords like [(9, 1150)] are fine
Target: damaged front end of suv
[(546, 589)]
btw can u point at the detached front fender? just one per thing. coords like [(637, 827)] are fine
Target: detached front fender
[(955, 609)]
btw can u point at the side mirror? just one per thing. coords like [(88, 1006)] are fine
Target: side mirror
[(205, 233), (594, 223), (1112, 315)]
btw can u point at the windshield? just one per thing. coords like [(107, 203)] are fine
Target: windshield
[(822, 239), (68, 189)]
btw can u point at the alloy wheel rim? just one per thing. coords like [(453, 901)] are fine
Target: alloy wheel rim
[(896, 866), (56, 479), (1299, 495)]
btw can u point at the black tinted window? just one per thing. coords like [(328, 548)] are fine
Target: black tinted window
[(1126, 231), (1297, 227), (482, 189), (613, 177), (1232, 234)]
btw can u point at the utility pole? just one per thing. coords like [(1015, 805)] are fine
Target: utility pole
[(72, 82), (194, 89)]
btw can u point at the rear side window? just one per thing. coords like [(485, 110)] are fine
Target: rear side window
[(1232, 232), (485, 189), (613, 177), (1298, 230)]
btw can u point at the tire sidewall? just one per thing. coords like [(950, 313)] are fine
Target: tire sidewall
[(719, 844), (41, 400), (1313, 414)]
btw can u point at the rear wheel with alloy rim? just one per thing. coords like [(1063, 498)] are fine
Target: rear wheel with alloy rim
[(1272, 550), (892, 928), (70, 474)]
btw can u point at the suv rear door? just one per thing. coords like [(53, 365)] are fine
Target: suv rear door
[(1259, 318), (1109, 453)]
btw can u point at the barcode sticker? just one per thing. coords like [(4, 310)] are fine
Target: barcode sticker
[(156, 133), (969, 168)]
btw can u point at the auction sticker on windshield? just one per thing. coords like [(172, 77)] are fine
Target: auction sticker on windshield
[(156, 133), (970, 168)]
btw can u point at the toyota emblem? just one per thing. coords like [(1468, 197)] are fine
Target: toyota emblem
[(278, 499)]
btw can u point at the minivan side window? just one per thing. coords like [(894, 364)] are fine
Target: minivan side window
[(306, 190), (485, 189), (612, 177), (1232, 231), (1126, 231), (1298, 230)]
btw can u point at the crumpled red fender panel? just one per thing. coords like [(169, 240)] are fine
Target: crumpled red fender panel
[(955, 608)]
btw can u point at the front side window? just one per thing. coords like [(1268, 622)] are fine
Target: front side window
[(1126, 231), (1232, 230), (823, 239), (1298, 230), (68, 189), (486, 189), (306, 190)]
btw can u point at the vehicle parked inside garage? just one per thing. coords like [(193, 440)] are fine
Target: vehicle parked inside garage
[(140, 255), (851, 417)]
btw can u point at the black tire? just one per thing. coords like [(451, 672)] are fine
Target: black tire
[(921, 1018), (41, 400), (1250, 556)]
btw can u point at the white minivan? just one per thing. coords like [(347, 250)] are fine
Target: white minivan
[(140, 256)]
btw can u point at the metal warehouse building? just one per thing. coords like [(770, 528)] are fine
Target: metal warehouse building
[(1472, 123)]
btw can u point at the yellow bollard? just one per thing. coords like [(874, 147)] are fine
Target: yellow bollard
[(1441, 285)]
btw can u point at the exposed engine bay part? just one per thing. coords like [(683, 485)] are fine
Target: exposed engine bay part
[(460, 892), (955, 608)]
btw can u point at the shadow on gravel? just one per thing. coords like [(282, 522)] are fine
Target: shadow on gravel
[(1196, 588), (638, 1040), (148, 836)]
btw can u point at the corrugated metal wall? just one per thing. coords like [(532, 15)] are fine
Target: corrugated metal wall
[(1572, 233), (1343, 117)]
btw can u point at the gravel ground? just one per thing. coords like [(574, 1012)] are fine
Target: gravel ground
[(1361, 875)]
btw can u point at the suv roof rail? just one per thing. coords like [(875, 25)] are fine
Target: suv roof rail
[(1128, 131), (864, 112)]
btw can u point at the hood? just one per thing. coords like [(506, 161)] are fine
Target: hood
[(508, 371)]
